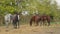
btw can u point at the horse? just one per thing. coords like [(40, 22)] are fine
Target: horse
[(7, 19), (46, 18), (15, 20), (35, 19), (42, 18)]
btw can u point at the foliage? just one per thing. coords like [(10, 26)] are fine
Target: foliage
[(42, 6)]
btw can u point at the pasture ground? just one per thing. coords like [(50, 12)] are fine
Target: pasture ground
[(26, 29)]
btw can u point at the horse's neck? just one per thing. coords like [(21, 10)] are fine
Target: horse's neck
[(14, 16), (8, 16)]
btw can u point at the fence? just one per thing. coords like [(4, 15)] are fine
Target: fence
[(23, 19)]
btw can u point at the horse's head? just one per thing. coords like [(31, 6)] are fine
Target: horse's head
[(52, 17)]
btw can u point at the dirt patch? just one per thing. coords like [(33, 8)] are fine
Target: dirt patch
[(26, 29)]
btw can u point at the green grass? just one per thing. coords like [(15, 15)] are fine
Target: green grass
[(55, 22)]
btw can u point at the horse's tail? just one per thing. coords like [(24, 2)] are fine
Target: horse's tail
[(31, 22)]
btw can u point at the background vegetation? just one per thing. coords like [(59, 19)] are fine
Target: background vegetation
[(48, 7)]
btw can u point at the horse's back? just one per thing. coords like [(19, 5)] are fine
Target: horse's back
[(35, 18), (7, 17)]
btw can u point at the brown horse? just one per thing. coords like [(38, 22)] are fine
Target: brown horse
[(46, 18), (35, 19), (42, 18)]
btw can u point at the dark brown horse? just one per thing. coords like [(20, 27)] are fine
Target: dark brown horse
[(42, 18), (15, 20), (35, 19), (46, 18)]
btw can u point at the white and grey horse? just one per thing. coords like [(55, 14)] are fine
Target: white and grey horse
[(8, 19)]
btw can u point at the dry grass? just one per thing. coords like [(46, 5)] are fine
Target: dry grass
[(26, 29)]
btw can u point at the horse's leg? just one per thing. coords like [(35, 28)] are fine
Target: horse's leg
[(6, 24), (14, 24), (37, 23), (48, 20), (40, 22), (9, 22), (48, 23), (18, 24), (30, 22), (43, 22)]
